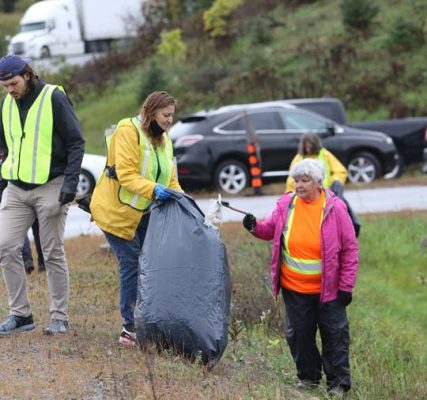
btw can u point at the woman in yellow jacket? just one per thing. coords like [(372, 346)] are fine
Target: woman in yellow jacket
[(140, 169), (310, 146)]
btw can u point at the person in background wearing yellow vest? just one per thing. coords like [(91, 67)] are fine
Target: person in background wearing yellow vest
[(310, 146), (140, 168), (45, 147), (314, 261)]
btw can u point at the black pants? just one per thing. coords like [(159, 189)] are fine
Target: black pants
[(304, 315), (26, 250)]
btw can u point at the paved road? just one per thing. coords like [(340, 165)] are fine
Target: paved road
[(362, 201)]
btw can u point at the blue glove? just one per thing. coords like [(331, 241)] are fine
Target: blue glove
[(161, 192)]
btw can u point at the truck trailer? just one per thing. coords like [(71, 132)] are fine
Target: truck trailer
[(73, 27)]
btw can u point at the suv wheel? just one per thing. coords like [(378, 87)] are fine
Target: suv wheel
[(86, 183), (363, 168), (231, 176)]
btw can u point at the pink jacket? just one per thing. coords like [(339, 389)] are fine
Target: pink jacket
[(340, 255)]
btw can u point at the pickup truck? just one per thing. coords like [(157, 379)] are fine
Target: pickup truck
[(408, 134)]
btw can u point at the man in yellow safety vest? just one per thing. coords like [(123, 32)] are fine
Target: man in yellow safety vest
[(44, 149)]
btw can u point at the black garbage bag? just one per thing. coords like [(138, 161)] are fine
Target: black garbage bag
[(183, 300)]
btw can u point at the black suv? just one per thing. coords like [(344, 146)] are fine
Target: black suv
[(210, 146)]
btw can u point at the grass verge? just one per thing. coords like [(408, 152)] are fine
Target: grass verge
[(388, 320)]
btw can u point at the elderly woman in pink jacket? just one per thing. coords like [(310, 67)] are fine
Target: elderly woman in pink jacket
[(314, 261)]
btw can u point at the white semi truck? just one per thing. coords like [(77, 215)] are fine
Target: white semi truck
[(71, 27)]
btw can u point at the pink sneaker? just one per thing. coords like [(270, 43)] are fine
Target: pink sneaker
[(127, 337)]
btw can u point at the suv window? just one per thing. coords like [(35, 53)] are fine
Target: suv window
[(266, 121), (297, 121), (182, 128), (234, 125), (260, 120), (320, 108)]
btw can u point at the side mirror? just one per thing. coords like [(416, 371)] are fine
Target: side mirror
[(50, 25)]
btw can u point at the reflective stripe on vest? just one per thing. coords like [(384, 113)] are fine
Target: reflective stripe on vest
[(148, 164), (29, 149), (307, 267), (327, 181)]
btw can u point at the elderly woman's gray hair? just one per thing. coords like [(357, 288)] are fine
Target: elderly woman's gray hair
[(308, 167)]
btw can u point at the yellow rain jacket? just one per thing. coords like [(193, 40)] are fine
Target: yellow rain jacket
[(124, 151), (334, 170)]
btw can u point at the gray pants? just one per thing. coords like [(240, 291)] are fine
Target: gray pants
[(19, 208)]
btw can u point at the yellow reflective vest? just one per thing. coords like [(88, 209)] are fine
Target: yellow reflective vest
[(118, 203), (306, 267), (29, 147), (155, 164), (334, 170)]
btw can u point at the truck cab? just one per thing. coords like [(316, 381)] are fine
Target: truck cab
[(43, 33)]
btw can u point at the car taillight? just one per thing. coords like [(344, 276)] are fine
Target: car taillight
[(188, 140), (425, 134), (183, 171)]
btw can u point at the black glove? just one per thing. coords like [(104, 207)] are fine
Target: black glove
[(249, 222), (344, 297), (66, 197), (84, 203)]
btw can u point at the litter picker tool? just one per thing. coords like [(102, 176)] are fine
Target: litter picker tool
[(227, 204), (214, 214)]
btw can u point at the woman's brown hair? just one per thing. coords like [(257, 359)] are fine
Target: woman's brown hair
[(312, 138), (152, 103)]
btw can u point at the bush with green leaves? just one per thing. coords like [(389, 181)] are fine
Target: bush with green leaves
[(8, 6), (358, 15), (405, 35), (261, 32), (172, 46), (153, 80), (215, 19)]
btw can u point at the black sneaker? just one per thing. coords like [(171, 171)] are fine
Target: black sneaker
[(128, 335), (29, 266), (15, 323)]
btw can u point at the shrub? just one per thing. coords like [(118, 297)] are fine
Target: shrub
[(261, 32), (172, 46), (215, 18), (405, 35), (8, 6), (153, 80), (204, 78), (358, 15)]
